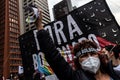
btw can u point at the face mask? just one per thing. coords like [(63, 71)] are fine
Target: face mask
[(91, 64)]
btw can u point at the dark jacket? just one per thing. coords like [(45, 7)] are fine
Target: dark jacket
[(61, 68)]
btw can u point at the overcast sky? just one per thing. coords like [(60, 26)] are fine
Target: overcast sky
[(113, 4)]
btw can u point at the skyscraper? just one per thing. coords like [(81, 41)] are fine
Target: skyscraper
[(62, 8), (10, 57), (42, 5)]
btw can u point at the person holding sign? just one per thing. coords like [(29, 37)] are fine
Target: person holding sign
[(88, 61)]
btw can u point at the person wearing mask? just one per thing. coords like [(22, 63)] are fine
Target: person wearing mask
[(89, 65)]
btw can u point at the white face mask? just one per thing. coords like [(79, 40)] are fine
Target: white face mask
[(91, 64)]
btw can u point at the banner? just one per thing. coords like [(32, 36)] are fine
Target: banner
[(93, 21), (32, 59), (86, 22)]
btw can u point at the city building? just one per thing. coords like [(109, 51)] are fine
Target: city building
[(62, 8), (42, 5), (10, 57)]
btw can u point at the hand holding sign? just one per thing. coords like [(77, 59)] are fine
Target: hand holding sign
[(39, 21)]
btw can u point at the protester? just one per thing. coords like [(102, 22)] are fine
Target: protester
[(37, 75), (1, 77), (112, 55), (87, 57)]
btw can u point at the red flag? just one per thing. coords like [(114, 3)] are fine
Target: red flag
[(104, 42)]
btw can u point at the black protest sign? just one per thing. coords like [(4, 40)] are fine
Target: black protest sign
[(28, 48), (33, 60), (94, 17)]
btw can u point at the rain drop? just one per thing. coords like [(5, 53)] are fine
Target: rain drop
[(84, 8), (103, 34), (84, 19), (99, 3), (113, 30), (108, 19), (96, 20), (91, 7), (93, 15), (86, 25), (103, 24), (96, 9), (88, 19), (115, 35), (89, 28), (100, 23), (94, 2), (103, 10), (81, 12)]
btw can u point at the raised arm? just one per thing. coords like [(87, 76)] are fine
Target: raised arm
[(61, 68)]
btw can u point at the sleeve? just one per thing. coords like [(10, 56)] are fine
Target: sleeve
[(61, 68)]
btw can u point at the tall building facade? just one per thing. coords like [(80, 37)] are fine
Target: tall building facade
[(62, 8), (42, 5), (10, 57)]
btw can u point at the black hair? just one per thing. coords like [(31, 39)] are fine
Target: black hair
[(115, 49), (109, 47), (87, 44), (84, 44)]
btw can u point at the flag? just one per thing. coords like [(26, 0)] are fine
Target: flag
[(103, 42)]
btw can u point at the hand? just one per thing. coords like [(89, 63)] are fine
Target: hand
[(39, 21)]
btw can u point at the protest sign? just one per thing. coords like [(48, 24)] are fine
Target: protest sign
[(93, 21)]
